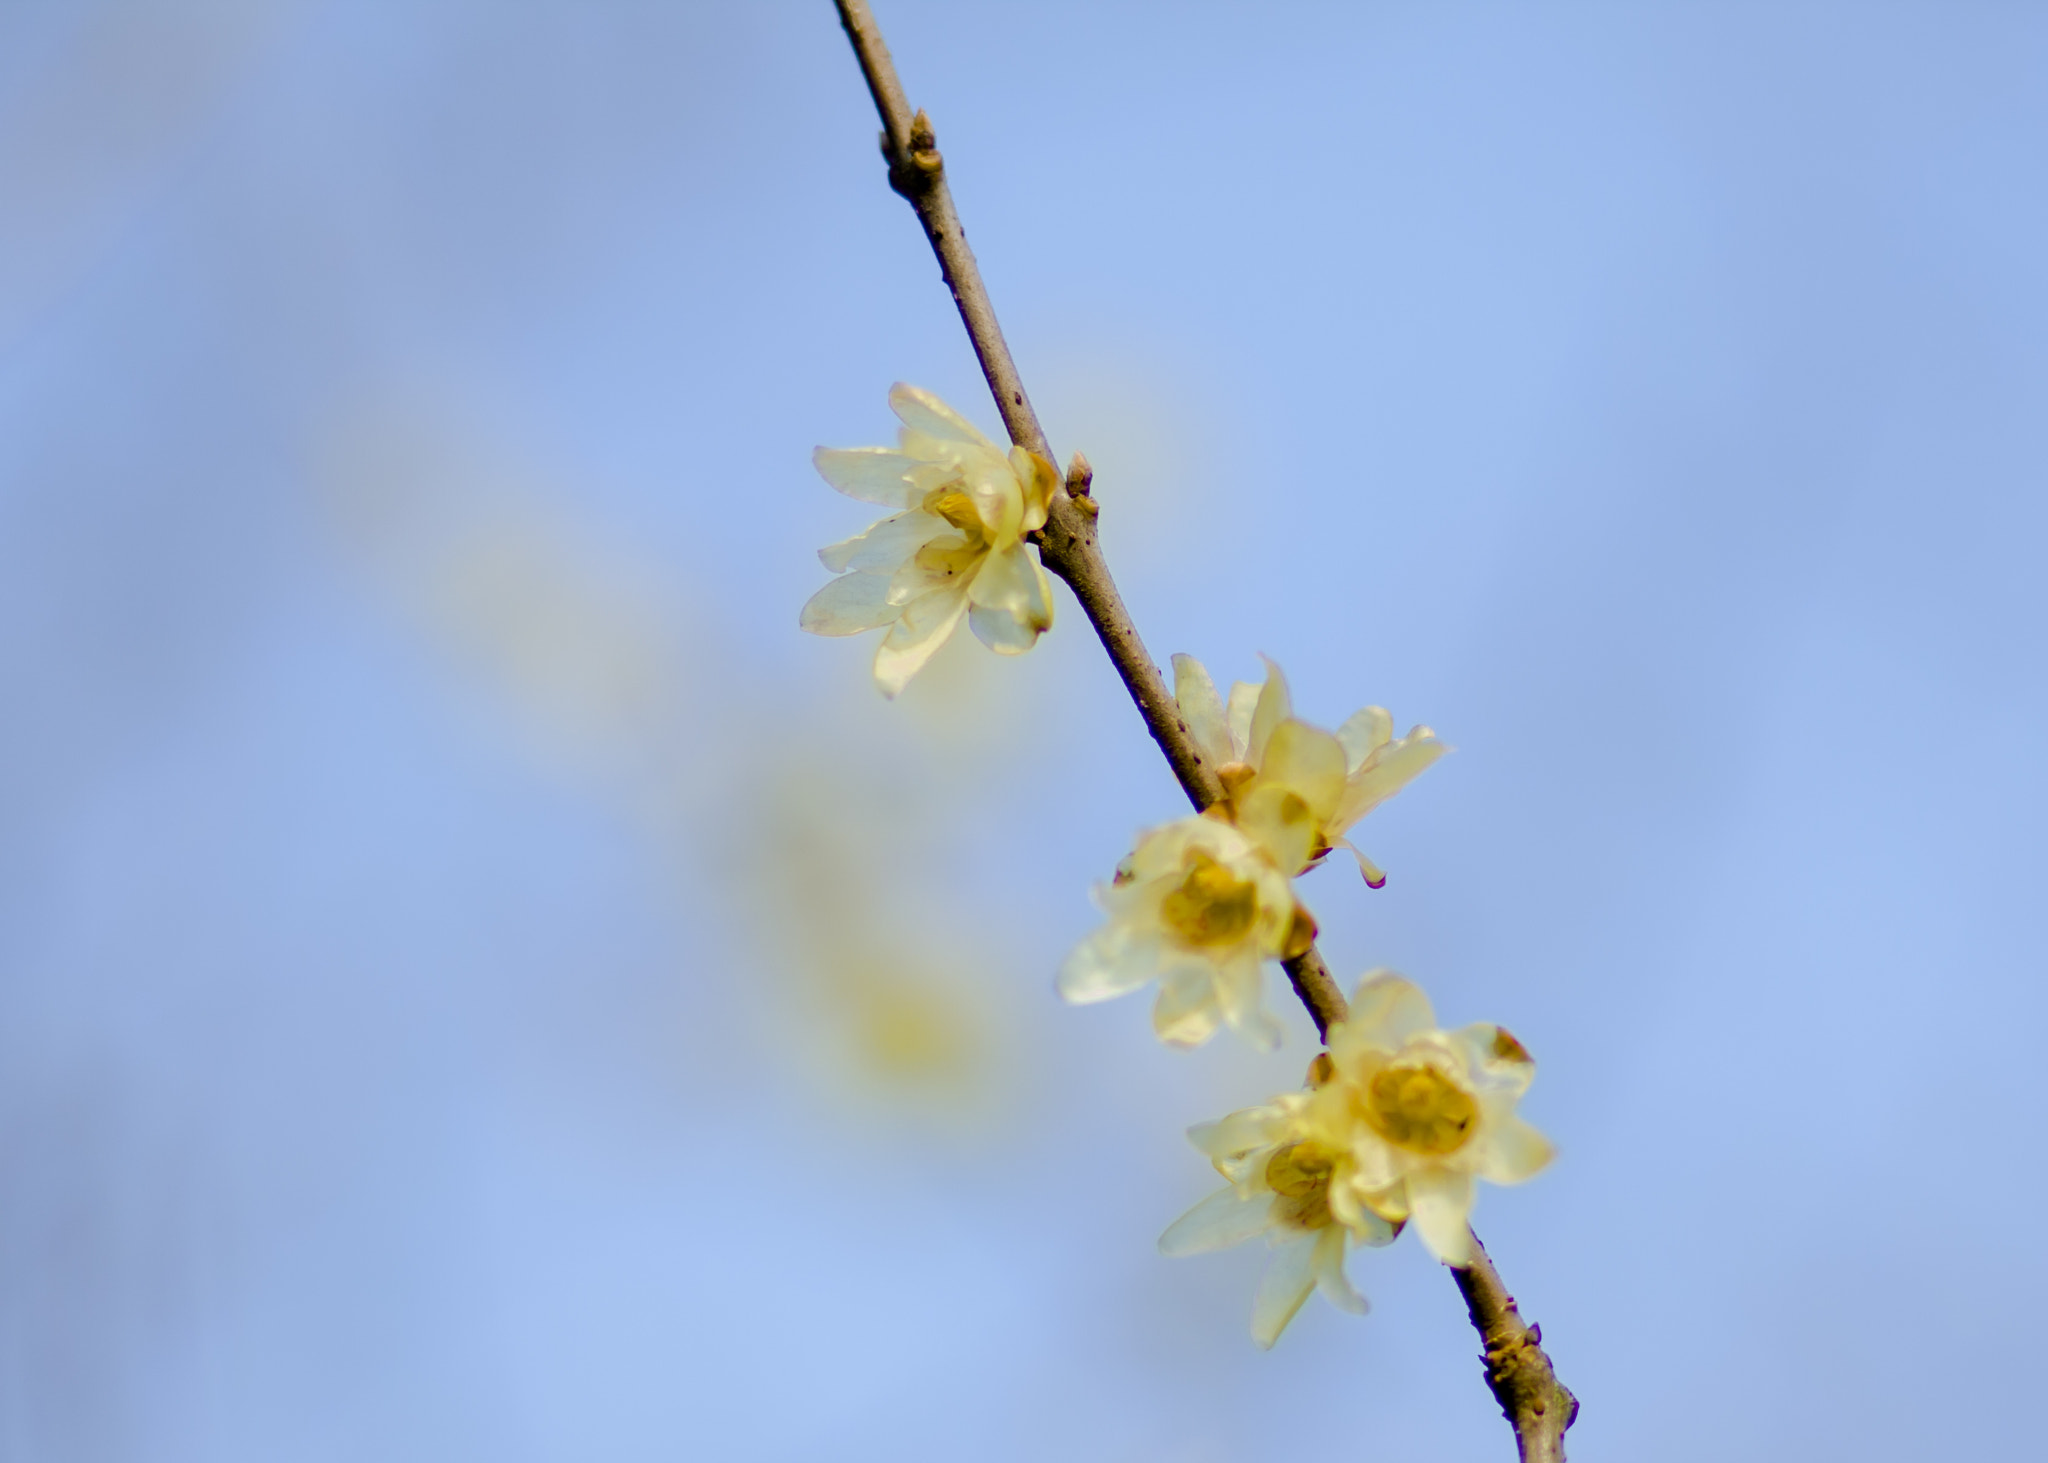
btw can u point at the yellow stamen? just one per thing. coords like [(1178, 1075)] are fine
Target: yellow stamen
[(1211, 906), (1420, 1109)]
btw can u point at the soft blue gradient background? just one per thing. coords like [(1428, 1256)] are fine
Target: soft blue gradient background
[(1654, 399)]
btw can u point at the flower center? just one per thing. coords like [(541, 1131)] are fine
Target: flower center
[(1210, 905), (1420, 1109), (1300, 1176)]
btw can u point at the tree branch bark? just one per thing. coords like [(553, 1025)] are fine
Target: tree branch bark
[(1535, 1402)]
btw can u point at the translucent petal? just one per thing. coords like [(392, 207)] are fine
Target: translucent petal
[(1328, 1263), (1241, 1132), (1363, 732), (1274, 706), (886, 544), (1515, 1151), (1040, 480), (1187, 1012), (1386, 1010), (848, 605), (871, 474), (1440, 1205), (1201, 709), (1498, 1062), (1223, 1219), (1308, 760), (916, 638), (1109, 963), (1290, 1276), (1280, 821), (923, 412), (1396, 765), (1375, 877), (1244, 699), (1012, 601)]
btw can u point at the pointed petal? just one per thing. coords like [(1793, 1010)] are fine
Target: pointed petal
[(1387, 1009), (1375, 877), (848, 605), (1274, 706), (1223, 1219), (1040, 480), (1280, 821), (1440, 1204), (1364, 732), (1237, 712), (1308, 760), (871, 474), (885, 544), (1514, 1151), (1241, 1132), (916, 638), (1395, 766), (1498, 1062), (1290, 1276), (1012, 601), (1113, 961), (921, 411), (1331, 1280), (1201, 709), (1187, 1012)]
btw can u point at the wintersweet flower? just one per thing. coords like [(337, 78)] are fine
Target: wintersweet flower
[(956, 548), (1288, 1182), (1200, 908), (1294, 787), (1424, 1113)]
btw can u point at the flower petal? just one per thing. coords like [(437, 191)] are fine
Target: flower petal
[(1113, 961), (923, 412), (1202, 709), (1328, 1263), (871, 474), (1440, 1204), (1290, 1276), (848, 605), (885, 544), (1187, 1012), (1514, 1151), (1274, 706), (1386, 1010), (1280, 821), (1385, 773), (1498, 1062), (1223, 1219), (1241, 1132), (1364, 732), (1040, 480), (1244, 699), (1012, 601), (1308, 760), (916, 637)]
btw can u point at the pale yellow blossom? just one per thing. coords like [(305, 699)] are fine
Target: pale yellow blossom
[(956, 549), (1423, 1113), (1200, 908), (1294, 787), (1284, 1174)]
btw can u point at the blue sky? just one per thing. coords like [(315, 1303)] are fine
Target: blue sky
[(474, 981)]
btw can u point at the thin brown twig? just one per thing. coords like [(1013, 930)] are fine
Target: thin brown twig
[(1517, 1369)]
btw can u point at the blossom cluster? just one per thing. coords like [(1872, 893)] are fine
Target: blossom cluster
[(1400, 1118)]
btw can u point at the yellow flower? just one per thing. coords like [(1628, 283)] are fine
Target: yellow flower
[(1200, 908), (1296, 788), (957, 548), (1423, 1113), (1284, 1176)]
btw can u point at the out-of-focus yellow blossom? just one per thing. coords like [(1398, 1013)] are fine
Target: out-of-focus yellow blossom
[(1288, 1182), (1199, 907), (1296, 788), (956, 548), (1423, 1113)]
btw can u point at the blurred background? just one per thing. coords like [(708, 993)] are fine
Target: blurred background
[(475, 982)]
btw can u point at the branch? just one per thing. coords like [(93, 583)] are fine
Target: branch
[(1536, 1404), (1517, 1369)]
